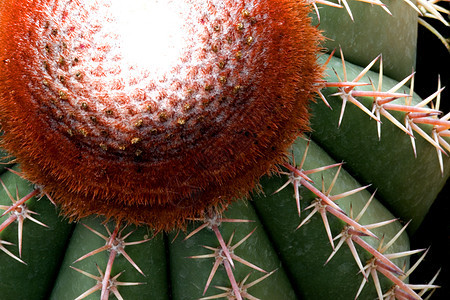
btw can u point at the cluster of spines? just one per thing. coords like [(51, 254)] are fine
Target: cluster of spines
[(324, 203), (425, 8), (224, 253), (115, 244), (18, 212), (415, 114), (352, 234)]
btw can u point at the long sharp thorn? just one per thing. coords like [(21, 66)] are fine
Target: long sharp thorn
[(315, 170), (243, 240), (345, 84), (132, 262), (236, 220), (444, 143), (352, 248), (107, 276), (297, 196), (366, 69), (223, 245), (307, 218), (20, 174), (429, 98), (439, 153), (85, 273), (426, 136), (423, 286), (324, 99), (9, 253), (416, 264), (348, 9), (34, 220), (319, 194), (259, 279), (305, 153), (136, 243), (380, 224), (394, 121), (7, 222), (431, 282), (414, 7), (282, 187), (211, 275), (332, 4), (431, 121), (348, 193), (433, 11), (341, 115), (402, 83), (403, 254), (378, 94), (363, 108), (377, 254), (376, 281), (20, 234), (321, 82), (96, 232), (89, 292), (363, 210), (380, 75), (234, 285), (411, 109), (344, 69), (398, 282), (363, 283), (378, 124), (106, 247), (333, 182), (218, 296), (196, 231), (323, 214), (249, 264), (8, 193), (350, 221), (446, 117), (336, 249)]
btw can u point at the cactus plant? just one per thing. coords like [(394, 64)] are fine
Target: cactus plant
[(173, 226)]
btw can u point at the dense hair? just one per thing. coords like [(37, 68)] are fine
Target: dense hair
[(105, 137)]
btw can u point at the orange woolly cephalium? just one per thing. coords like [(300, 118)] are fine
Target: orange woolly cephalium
[(153, 113)]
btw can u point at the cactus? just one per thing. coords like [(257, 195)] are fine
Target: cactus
[(330, 218)]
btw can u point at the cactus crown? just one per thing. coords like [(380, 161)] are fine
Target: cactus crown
[(160, 143)]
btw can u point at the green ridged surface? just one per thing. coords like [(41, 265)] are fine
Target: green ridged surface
[(149, 256), (372, 33), (406, 184), (42, 250), (306, 250), (190, 275)]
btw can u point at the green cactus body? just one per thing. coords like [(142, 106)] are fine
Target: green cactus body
[(274, 257)]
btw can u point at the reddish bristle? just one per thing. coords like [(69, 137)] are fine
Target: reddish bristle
[(104, 136)]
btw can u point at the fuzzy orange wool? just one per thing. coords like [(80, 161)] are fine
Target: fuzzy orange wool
[(107, 126)]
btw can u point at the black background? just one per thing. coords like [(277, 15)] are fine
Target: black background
[(433, 59)]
